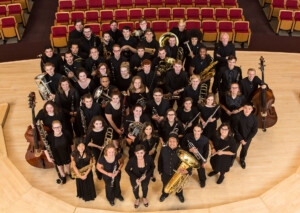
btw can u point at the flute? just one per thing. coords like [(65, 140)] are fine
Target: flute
[(220, 150)]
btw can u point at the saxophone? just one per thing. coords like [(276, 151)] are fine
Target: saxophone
[(82, 171), (208, 72), (106, 53)]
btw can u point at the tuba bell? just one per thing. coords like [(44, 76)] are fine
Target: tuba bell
[(164, 39), (43, 86)]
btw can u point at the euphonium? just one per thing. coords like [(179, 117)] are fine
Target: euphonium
[(43, 86), (100, 94), (179, 180)]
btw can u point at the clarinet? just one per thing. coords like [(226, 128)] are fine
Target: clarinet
[(113, 179), (112, 71), (83, 121), (137, 185), (187, 123), (67, 71)]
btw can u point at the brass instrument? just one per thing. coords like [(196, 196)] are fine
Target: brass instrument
[(180, 54), (179, 180), (164, 66), (198, 154), (43, 86), (107, 139), (170, 96), (100, 94), (203, 93), (67, 71), (175, 129), (106, 53), (82, 117), (164, 39), (151, 51), (138, 34), (208, 72), (82, 171), (142, 101), (134, 128)]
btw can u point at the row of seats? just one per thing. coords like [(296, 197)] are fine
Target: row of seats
[(278, 5), (238, 31), (94, 16), (288, 20), (24, 3), (9, 27), (69, 5), (13, 10)]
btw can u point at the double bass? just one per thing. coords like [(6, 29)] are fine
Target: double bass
[(263, 100)]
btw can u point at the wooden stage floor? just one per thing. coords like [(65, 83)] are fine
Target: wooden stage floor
[(270, 183)]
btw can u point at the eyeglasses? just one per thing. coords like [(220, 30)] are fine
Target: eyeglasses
[(56, 127), (171, 115), (224, 129)]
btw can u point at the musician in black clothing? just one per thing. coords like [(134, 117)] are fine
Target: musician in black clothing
[(140, 168), (89, 110), (93, 61), (139, 33), (180, 32), (148, 75), (250, 84), (70, 66), (245, 130), (114, 32), (200, 62), (106, 89), (102, 71), (151, 45), (171, 47), (193, 90), (78, 56), (115, 61), (137, 93), (52, 58), (52, 78), (157, 64), (76, 34), (192, 49), (168, 162), (125, 79), (108, 43), (127, 43), (197, 143), (88, 40), (137, 58)]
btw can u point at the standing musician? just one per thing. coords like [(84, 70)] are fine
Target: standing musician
[(180, 32), (95, 138), (107, 89), (52, 78), (200, 62), (197, 143), (137, 58), (110, 165), (92, 62), (168, 162), (81, 157), (148, 75), (102, 71), (137, 92), (85, 113), (70, 66), (52, 58), (128, 43), (105, 48), (60, 143), (140, 168), (76, 34), (115, 62), (84, 85), (114, 32), (124, 80), (209, 115), (193, 90), (245, 130), (171, 47), (250, 84), (151, 45), (88, 40), (223, 147)]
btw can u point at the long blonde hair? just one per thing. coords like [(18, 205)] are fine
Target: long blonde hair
[(131, 87)]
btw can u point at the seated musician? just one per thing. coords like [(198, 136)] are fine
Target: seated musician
[(168, 163), (114, 32), (52, 78), (249, 84), (127, 43), (151, 45), (197, 143), (137, 93), (245, 130), (78, 56), (76, 34), (105, 48), (161, 74), (137, 58), (193, 90), (180, 32), (53, 58), (70, 66), (93, 61), (85, 114), (107, 89), (84, 84), (102, 70), (88, 40), (171, 47), (141, 31), (124, 80), (148, 75)]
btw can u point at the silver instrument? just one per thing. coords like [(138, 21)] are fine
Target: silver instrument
[(137, 185), (212, 115), (43, 87), (135, 128), (114, 172), (100, 94), (83, 121), (174, 130), (226, 147), (142, 101), (67, 71), (198, 154), (191, 121)]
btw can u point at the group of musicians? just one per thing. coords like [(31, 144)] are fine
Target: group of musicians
[(124, 87)]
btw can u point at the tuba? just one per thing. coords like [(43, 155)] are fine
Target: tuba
[(178, 180), (100, 94), (164, 66), (43, 86)]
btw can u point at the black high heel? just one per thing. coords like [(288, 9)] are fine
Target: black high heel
[(137, 205)]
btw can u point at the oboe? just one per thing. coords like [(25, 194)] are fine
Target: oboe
[(113, 178), (137, 185), (219, 150)]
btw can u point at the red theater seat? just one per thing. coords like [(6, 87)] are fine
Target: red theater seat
[(95, 28), (172, 24), (58, 36), (221, 14), (285, 20), (95, 4), (156, 3), (129, 24), (226, 27), (236, 14), (275, 7), (141, 3), (215, 3), (92, 16), (9, 27), (296, 21), (171, 3), (80, 5), (242, 32), (16, 11), (135, 14), (178, 13), (62, 18), (2, 10), (65, 5), (76, 15), (230, 3), (164, 13), (291, 5), (106, 15), (110, 4), (105, 27), (160, 26), (207, 14), (121, 15), (193, 13), (201, 3), (210, 30), (150, 13), (192, 24), (125, 4), (186, 3)]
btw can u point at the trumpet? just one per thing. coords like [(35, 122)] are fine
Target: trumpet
[(67, 71), (197, 154)]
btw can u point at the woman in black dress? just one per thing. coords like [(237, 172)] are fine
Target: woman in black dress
[(207, 109), (137, 92), (186, 114), (124, 80), (60, 143), (140, 169), (84, 84), (223, 147), (110, 165), (95, 137), (80, 158), (102, 70)]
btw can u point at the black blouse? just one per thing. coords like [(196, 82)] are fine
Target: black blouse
[(109, 167), (115, 113), (135, 172), (89, 89)]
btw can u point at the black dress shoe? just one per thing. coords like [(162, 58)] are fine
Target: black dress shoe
[(162, 198), (202, 184), (220, 180), (121, 198), (243, 164), (153, 179), (212, 173), (181, 198), (112, 203), (64, 180)]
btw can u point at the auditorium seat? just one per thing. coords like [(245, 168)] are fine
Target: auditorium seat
[(150, 13), (121, 15), (164, 13), (135, 14), (236, 14), (263, 2), (171, 3), (285, 20), (160, 26), (296, 21), (230, 3), (141, 3), (9, 27), (292, 5), (76, 15), (242, 32), (210, 30), (201, 3), (58, 36), (92, 16), (105, 27), (106, 15), (65, 6), (125, 4), (16, 11), (62, 18), (207, 14), (95, 28), (178, 13), (2, 10), (80, 5), (127, 23), (95, 4), (1, 33), (24, 4), (192, 24), (193, 13), (186, 3), (5, 2), (225, 27), (156, 3), (70, 28), (275, 7), (172, 24), (215, 3), (108, 4), (221, 14)]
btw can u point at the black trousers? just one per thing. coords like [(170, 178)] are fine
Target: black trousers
[(115, 191), (244, 151), (165, 178), (144, 185), (96, 153), (201, 174)]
